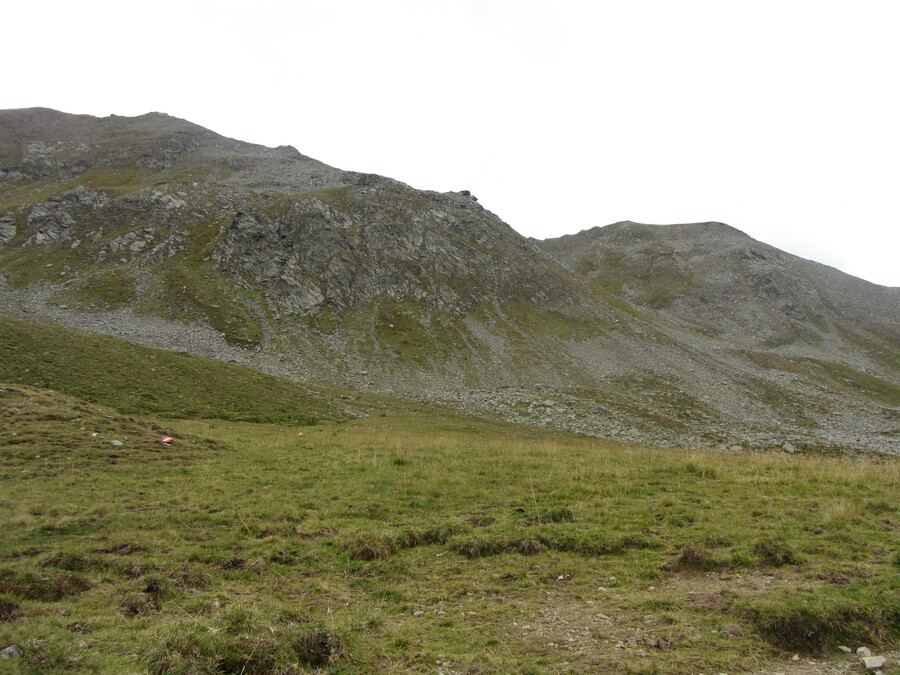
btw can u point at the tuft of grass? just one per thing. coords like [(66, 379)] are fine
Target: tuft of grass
[(71, 562), (371, 547), (436, 534), (701, 471), (9, 607), (480, 546), (559, 514), (318, 648), (695, 559), (775, 552)]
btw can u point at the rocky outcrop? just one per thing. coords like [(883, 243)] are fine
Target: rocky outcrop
[(7, 227), (347, 247), (54, 220)]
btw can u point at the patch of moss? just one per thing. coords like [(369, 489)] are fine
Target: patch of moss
[(548, 322), (185, 296), (772, 361), (859, 382), (109, 178), (111, 288)]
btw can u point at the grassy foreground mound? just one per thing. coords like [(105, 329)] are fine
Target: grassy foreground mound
[(416, 543)]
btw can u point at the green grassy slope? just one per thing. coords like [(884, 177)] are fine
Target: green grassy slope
[(135, 379)]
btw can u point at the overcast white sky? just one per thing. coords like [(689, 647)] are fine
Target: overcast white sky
[(780, 118)]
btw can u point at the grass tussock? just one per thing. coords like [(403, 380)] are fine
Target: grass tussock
[(372, 547), (240, 643), (44, 588), (9, 607), (378, 546), (559, 514), (775, 553), (816, 621), (695, 559), (482, 545)]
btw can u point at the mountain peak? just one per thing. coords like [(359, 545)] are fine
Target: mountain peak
[(709, 228), (43, 143)]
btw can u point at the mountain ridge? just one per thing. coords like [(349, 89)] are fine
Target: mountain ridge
[(693, 336), (675, 253)]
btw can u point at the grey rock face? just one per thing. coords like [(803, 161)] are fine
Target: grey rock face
[(7, 228), (354, 245), (51, 222), (132, 242), (54, 220)]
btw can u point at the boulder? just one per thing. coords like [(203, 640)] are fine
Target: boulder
[(11, 652)]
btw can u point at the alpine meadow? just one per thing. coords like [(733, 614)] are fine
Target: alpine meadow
[(405, 438)]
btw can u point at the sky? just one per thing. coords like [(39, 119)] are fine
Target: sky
[(780, 118)]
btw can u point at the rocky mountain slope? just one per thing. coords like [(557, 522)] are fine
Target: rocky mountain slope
[(716, 280), (159, 231)]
